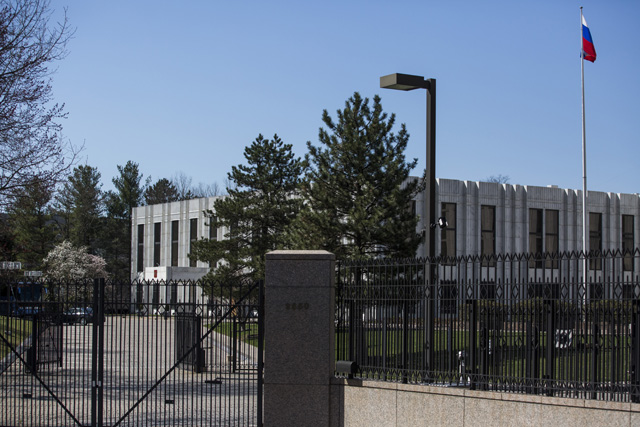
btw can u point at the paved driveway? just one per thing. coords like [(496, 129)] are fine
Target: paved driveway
[(141, 384)]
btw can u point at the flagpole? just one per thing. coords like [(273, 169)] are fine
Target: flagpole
[(585, 225)]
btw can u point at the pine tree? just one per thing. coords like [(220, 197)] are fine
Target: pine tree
[(117, 225), (163, 191), (358, 189), (255, 215), (129, 186), (32, 225), (87, 205)]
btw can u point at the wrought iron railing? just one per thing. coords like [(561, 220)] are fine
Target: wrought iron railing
[(517, 323)]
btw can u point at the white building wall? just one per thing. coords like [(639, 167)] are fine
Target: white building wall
[(512, 204), (165, 214)]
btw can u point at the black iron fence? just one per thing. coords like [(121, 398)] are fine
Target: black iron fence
[(518, 323), (130, 353)]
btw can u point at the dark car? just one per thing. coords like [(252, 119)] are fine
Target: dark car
[(82, 315), (26, 311)]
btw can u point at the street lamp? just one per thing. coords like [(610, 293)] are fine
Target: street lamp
[(408, 82)]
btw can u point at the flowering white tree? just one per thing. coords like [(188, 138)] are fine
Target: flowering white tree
[(67, 262)]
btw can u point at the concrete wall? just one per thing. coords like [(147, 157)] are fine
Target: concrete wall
[(371, 403)]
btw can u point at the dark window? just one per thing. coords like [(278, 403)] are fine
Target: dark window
[(488, 236), (193, 236), (213, 231), (157, 228), (627, 242), (174, 243), (595, 240), (213, 228), (140, 247), (535, 237), (551, 237), (448, 234)]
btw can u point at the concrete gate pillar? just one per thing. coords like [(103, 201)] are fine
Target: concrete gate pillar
[(299, 338)]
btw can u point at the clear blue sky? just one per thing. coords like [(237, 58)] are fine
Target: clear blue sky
[(185, 86)]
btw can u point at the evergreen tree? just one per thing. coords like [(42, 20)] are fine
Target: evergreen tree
[(7, 252), (116, 233), (87, 205), (259, 208), (163, 191), (130, 189), (117, 225), (31, 221), (358, 190)]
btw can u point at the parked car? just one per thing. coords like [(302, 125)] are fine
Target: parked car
[(26, 311), (82, 315)]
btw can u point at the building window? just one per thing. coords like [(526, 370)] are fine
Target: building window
[(412, 208), (174, 243), (213, 228), (627, 242), (448, 235), (193, 236), (488, 235), (535, 238), (157, 228), (540, 247), (213, 232), (595, 240), (140, 247), (552, 236)]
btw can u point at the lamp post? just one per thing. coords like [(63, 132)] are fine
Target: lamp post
[(409, 82)]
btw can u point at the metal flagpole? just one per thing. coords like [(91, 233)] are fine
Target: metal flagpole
[(585, 224)]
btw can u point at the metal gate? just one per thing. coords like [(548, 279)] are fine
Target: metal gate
[(125, 358)]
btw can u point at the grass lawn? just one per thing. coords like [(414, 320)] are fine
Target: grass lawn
[(15, 331), (247, 333)]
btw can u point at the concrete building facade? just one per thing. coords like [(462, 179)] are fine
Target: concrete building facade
[(483, 218)]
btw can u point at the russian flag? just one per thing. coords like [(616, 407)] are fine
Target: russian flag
[(588, 50)]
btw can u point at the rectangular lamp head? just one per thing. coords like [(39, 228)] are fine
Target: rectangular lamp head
[(403, 82)]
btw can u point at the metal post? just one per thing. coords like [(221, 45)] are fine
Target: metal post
[(234, 345), (484, 355), (595, 353), (473, 343), (635, 352), (352, 332), (430, 212), (94, 355), (405, 342), (550, 306), (530, 360), (99, 319)]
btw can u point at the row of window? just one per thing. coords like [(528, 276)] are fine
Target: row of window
[(175, 229), (544, 235)]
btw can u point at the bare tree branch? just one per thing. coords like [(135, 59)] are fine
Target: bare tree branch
[(32, 148)]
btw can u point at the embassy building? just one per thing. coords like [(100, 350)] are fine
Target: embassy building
[(482, 219)]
